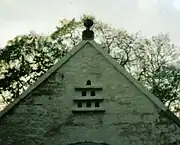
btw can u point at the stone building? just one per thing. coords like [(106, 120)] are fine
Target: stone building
[(88, 99)]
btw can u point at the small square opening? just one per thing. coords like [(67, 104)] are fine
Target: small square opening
[(88, 82), (97, 104), (93, 93), (79, 104), (83, 93), (88, 104)]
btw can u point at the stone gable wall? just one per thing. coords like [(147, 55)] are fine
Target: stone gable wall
[(45, 117)]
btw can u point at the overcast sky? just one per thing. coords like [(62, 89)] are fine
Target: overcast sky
[(148, 16)]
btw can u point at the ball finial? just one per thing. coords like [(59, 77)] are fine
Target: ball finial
[(88, 23), (88, 34)]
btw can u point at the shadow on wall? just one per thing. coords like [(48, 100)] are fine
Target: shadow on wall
[(88, 143)]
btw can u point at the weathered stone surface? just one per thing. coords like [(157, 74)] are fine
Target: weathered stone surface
[(45, 117)]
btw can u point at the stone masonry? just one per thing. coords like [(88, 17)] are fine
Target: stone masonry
[(45, 116)]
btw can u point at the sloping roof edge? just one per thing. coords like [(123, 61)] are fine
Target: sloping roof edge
[(118, 67), (139, 86), (174, 118), (129, 77), (44, 77)]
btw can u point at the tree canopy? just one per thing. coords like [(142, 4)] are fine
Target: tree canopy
[(152, 61)]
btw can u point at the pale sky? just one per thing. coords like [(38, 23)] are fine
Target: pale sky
[(151, 17)]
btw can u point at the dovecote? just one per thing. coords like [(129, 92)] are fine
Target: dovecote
[(89, 98)]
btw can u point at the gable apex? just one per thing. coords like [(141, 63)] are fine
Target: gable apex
[(116, 66)]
